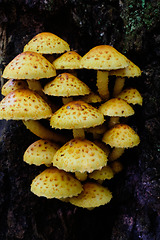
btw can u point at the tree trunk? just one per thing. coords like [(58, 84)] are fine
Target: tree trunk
[(133, 213)]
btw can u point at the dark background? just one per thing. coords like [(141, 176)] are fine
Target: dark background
[(133, 28)]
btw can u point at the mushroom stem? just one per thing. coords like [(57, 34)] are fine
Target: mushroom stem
[(81, 176), (118, 86), (116, 153), (66, 100), (34, 85), (79, 133), (113, 121), (102, 84)]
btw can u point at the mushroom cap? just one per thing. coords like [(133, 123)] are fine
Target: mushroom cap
[(121, 136), (80, 155), (40, 152), (76, 114), (104, 57), (29, 65), (24, 104), (131, 71), (69, 60), (66, 85), (93, 195), (13, 84), (55, 183), (105, 173), (46, 43), (116, 107), (91, 98), (132, 96)]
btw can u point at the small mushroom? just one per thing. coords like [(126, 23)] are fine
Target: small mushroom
[(66, 85), (55, 183), (76, 115), (24, 104), (93, 195), (121, 136), (103, 58), (100, 175), (130, 71), (69, 60), (116, 108), (79, 155), (29, 65), (47, 43), (91, 98), (13, 84), (40, 152), (132, 96)]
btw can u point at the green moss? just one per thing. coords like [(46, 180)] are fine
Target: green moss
[(139, 18)]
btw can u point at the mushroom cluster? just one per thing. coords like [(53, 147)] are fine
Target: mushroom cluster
[(86, 132)]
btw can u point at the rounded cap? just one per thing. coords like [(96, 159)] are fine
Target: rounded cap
[(93, 195), (104, 57), (24, 104), (121, 136), (76, 114), (116, 107), (29, 65), (69, 60), (80, 155), (131, 71), (91, 98), (40, 152), (12, 85), (66, 85), (132, 96), (55, 183), (105, 173), (46, 43)]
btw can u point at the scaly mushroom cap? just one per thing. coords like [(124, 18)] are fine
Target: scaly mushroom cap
[(91, 98), (40, 152), (80, 155), (66, 85), (24, 104), (105, 173), (55, 183), (46, 43), (104, 57), (93, 195), (76, 114), (131, 71), (116, 107), (132, 96), (121, 136), (69, 60), (29, 65), (12, 85)]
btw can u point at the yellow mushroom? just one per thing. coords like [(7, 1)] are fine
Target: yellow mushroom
[(93, 195), (40, 152), (76, 115), (103, 58), (132, 96), (130, 71), (24, 104), (55, 183), (116, 108), (13, 84), (66, 85)]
